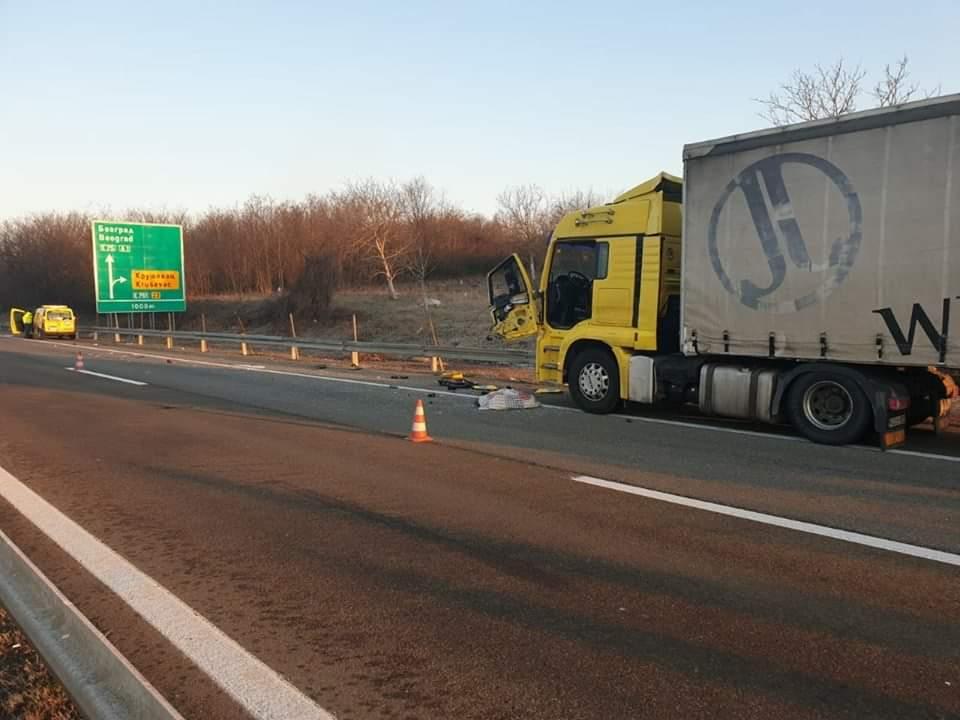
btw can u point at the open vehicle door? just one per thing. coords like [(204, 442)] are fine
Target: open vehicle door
[(16, 324), (513, 305)]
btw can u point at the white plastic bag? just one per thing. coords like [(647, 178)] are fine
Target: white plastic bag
[(507, 399)]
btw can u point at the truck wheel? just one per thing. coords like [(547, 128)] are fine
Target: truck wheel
[(594, 381), (828, 409)]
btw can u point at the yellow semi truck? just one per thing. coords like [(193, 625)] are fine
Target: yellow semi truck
[(801, 274)]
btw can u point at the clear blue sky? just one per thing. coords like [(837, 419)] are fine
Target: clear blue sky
[(184, 105)]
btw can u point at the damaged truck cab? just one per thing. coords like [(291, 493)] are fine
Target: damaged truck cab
[(610, 289)]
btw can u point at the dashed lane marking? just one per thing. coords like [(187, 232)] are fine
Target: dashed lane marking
[(872, 541), (105, 376)]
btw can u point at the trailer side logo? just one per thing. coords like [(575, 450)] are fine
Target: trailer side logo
[(767, 198), (768, 201)]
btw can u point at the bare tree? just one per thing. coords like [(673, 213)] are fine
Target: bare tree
[(420, 206), (380, 216), (524, 210), (827, 92), (893, 88), (834, 90)]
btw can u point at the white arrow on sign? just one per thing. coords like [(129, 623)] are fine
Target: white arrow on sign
[(109, 261)]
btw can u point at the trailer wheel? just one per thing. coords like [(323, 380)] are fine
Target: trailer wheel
[(829, 409), (594, 381)]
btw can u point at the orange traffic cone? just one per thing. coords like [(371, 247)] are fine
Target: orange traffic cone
[(419, 432), (78, 363)]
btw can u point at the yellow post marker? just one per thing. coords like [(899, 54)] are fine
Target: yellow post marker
[(355, 356), (294, 350)]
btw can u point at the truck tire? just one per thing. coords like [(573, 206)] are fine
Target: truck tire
[(828, 408), (594, 381)]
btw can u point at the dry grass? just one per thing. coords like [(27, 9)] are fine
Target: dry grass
[(27, 689), (460, 318), (459, 315)]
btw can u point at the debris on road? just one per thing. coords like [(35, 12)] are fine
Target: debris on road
[(455, 381), (507, 399)]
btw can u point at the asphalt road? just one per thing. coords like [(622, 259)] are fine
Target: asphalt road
[(472, 578)]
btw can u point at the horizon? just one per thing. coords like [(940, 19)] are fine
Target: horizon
[(201, 108)]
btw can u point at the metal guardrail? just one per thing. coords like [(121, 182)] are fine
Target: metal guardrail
[(102, 683), (331, 347)]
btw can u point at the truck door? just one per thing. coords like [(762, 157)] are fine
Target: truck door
[(513, 305)]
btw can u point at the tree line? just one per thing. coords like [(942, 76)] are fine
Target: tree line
[(367, 232)]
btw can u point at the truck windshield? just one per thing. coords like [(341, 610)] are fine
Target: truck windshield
[(573, 268)]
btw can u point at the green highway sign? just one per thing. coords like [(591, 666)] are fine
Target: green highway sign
[(138, 267)]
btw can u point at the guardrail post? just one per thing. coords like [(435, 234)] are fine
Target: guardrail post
[(294, 350), (355, 356)]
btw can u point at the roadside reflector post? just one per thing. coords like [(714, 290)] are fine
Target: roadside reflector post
[(95, 335), (243, 349), (139, 339), (355, 356), (169, 342), (294, 350), (434, 364), (203, 328), (169, 339)]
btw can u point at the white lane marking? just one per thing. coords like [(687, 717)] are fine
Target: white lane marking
[(634, 418), (929, 456), (919, 551), (269, 371), (260, 690), (105, 376)]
